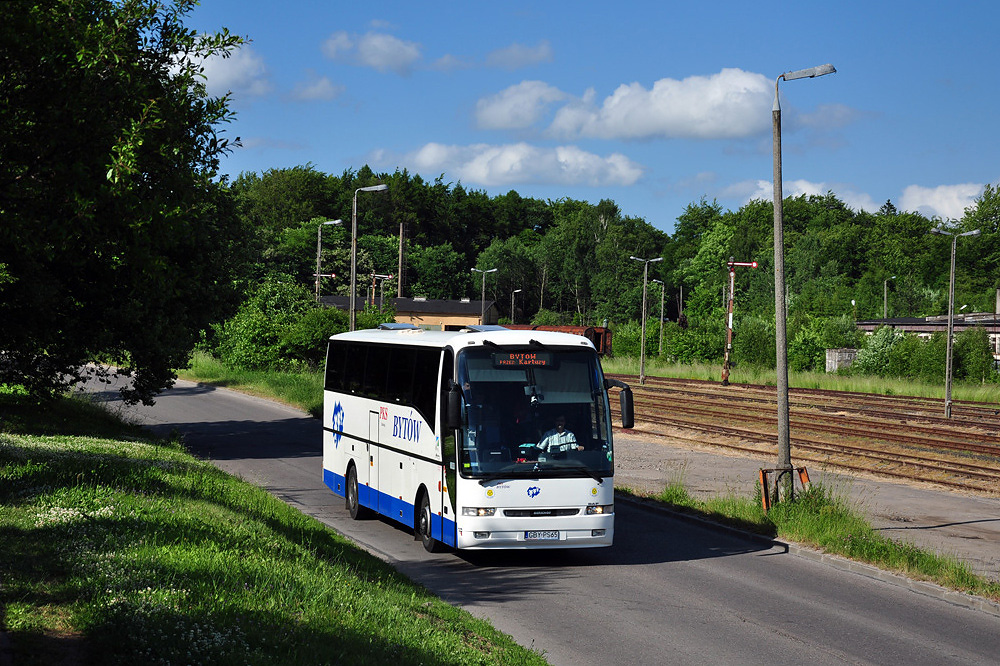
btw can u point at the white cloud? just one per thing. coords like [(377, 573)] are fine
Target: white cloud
[(449, 62), (243, 73), (337, 43), (517, 56), (376, 50), (316, 88), (510, 164), (748, 190), (829, 116), (730, 104), (945, 201), (517, 107)]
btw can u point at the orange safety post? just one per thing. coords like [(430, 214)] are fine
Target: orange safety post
[(765, 494), (804, 478)]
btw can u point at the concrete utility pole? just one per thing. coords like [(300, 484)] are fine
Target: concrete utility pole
[(729, 322), (319, 249), (951, 316), (784, 480), (354, 248), (482, 306), (642, 344)]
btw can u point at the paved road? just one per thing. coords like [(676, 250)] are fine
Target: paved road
[(667, 592)]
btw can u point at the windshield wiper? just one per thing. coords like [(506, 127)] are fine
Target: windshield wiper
[(493, 476)]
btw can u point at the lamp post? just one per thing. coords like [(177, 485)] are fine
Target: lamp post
[(642, 343), (512, 304), (781, 357), (354, 247), (885, 298), (319, 248), (951, 316), (663, 291), (482, 303)]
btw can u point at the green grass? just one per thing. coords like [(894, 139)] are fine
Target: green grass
[(823, 520), (974, 392), (115, 549), (301, 389)]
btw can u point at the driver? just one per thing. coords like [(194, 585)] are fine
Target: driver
[(559, 439)]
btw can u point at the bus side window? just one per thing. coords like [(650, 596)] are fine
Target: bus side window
[(425, 372), (336, 357), (354, 368)]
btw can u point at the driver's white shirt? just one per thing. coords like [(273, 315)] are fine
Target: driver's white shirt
[(554, 441)]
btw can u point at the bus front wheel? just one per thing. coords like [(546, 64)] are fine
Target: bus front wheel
[(431, 545), (354, 507)]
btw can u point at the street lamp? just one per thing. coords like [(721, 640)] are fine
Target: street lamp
[(354, 246), (512, 304), (642, 343), (784, 440), (663, 291), (319, 248), (951, 315), (885, 298), (482, 305)]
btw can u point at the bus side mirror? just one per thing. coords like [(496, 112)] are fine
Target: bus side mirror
[(625, 400), (453, 410), (627, 407)]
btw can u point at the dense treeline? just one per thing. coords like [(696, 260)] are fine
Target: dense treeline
[(571, 259), (566, 256)]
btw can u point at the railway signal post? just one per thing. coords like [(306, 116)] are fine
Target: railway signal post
[(729, 323)]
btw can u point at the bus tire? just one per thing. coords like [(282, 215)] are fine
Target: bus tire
[(431, 545), (354, 507)]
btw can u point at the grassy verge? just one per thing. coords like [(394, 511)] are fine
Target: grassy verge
[(118, 550), (301, 389), (822, 520)]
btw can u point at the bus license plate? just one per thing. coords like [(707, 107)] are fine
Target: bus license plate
[(541, 535)]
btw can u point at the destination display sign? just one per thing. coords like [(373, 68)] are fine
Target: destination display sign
[(522, 359)]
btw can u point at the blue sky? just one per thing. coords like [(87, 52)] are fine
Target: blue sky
[(652, 104)]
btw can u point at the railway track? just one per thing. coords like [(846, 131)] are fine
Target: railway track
[(892, 436)]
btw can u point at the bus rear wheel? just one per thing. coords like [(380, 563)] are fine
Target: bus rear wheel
[(354, 507), (431, 545)]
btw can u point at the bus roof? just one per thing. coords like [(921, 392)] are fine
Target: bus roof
[(463, 338)]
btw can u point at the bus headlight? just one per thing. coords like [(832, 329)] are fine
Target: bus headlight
[(478, 511), (599, 509)]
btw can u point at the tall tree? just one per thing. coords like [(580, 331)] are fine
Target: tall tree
[(115, 240)]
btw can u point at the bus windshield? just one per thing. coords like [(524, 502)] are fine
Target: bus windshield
[(533, 413)]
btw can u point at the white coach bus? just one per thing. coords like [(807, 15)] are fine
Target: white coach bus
[(480, 438)]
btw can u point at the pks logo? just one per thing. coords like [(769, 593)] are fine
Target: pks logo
[(338, 423), (534, 491)]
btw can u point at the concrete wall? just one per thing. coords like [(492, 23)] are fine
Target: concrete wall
[(840, 358)]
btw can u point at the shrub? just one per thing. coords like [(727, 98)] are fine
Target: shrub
[(973, 357), (806, 352), (754, 342), (873, 357), (304, 340)]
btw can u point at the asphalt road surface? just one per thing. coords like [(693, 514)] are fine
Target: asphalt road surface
[(667, 592)]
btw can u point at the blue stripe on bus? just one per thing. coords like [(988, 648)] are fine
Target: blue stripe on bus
[(442, 528)]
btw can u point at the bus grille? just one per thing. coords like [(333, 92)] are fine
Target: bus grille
[(539, 513)]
